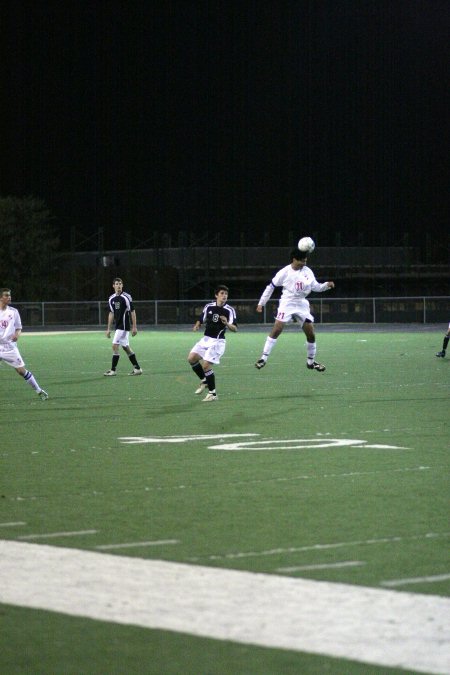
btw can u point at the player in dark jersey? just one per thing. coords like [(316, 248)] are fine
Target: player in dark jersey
[(123, 315), (441, 354), (217, 316)]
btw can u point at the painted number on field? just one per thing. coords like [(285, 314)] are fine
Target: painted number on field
[(265, 444)]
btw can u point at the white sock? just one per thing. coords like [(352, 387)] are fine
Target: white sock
[(268, 346), (311, 349), (29, 378)]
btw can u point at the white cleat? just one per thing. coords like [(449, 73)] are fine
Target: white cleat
[(210, 397), (110, 373), (201, 388), (136, 371), (43, 395)]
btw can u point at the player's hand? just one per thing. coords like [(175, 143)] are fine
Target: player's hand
[(108, 333), (259, 308), (134, 332), (223, 320), (330, 284)]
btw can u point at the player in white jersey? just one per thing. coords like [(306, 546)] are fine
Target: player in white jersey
[(297, 281), (441, 354), (10, 330)]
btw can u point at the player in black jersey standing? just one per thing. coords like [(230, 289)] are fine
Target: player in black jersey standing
[(123, 315), (217, 317)]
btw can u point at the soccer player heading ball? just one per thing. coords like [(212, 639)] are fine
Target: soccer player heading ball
[(297, 281)]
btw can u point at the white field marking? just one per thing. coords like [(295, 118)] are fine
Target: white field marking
[(271, 444), (19, 522), (301, 444), (320, 547), (177, 439), (415, 580), (57, 332), (370, 625), (50, 535), (250, 481), (322, 566), (136, 544)]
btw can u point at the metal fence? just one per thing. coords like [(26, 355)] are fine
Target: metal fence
[(172, 312)]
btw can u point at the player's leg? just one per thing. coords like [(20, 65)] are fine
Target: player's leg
[(115, 356), (120, 338), (210, 379), (311, 347), (195, 361), (444, 345), (137, 370), (212, 357), (270, 342), (31, 380)]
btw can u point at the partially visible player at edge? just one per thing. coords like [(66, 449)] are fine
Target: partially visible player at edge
[(297, 281), (123, 315), (10, 331), (217, 317), (444, 343)]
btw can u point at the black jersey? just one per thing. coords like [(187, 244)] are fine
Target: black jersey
[(121, 306), (211, 318)]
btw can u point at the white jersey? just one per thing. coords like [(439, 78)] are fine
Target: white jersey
[(296, 284), (9, 323)]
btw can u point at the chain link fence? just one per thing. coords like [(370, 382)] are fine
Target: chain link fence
[(176, 312)]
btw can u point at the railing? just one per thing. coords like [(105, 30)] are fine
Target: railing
[(174, 312)]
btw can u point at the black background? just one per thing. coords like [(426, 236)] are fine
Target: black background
[(254, 119)]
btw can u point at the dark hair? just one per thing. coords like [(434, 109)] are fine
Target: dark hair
[(3, 290), (117, 279), (298, 255), (221, 287)]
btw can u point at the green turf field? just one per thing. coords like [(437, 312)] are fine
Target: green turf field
[(339, 476)]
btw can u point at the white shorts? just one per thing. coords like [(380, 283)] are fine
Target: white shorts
[(300, 310), (122, 338), (10, 354), (210, 349)]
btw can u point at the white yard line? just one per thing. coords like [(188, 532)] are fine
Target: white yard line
[(137, 544), (51, 535), (382, 627), (320, 547), (322, 566), (19, 522), (415, 580)]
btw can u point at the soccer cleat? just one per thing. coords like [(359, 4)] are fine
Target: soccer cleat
[(441, 354), (43, 395), (260, 364), (210, 397), (110, 373), (201, 388), (316, 366), (136, 371)]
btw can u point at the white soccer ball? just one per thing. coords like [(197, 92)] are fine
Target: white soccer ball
[(306, 245)]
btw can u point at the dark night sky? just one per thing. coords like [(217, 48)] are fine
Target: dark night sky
[(308, 116)]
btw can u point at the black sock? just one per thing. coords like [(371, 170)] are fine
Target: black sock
[(133, 360), (198, 370), (115, 361), (445, 343), (210, 380)]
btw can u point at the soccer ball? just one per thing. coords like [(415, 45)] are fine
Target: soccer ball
[(306, 245)]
